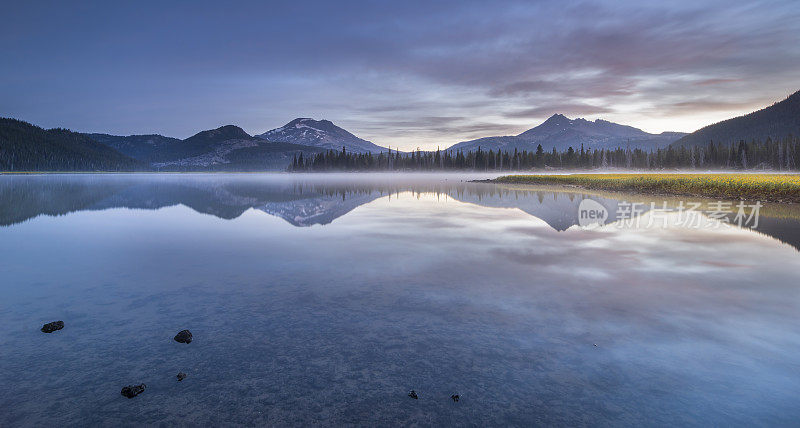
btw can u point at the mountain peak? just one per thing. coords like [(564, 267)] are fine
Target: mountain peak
[(318, 133), (226, 132), (556, 117), (558, 120), (204, 141), (322, 125)]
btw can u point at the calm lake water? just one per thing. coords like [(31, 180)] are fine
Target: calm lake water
[(325, 299)]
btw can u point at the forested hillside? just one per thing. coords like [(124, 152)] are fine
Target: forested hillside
[(144, 148), (777, 121), (26, 147)]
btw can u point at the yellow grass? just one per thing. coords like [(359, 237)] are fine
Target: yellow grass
[(763, 187)]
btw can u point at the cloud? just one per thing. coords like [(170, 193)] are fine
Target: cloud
[(570, 110), (716, 81), (423, 122), (601, 85), (687, 107), (476, 66)]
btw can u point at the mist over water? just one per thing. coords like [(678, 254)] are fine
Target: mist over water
[(326, 298)]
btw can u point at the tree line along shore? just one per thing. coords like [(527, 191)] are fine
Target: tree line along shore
[(772, 155)]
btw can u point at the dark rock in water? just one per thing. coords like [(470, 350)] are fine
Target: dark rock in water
[(184, 336), (131, 391), (413, 394), (455, 397), (181, 376), (52, 326)]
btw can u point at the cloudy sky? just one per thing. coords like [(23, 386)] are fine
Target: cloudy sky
[(401, 73)]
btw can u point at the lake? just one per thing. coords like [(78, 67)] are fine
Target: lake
[(325, 299)]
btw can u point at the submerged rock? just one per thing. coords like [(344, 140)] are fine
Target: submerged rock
[(184, 336), (131, 391), (413, 394), (52, 326), (455, 398), (181, 376)]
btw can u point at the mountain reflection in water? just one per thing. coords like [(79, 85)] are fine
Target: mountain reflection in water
[(302, 200)]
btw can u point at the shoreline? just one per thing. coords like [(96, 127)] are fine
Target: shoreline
[(772, 188)]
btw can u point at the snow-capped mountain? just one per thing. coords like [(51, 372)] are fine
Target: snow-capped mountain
[(562, 132), (319, 133)]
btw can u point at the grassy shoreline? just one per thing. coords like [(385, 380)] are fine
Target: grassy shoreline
[(780, 188)]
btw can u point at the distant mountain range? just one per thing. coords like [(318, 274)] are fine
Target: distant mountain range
[(230, 148), (776, 121), (26, 147), (561, 133), (227, 148)]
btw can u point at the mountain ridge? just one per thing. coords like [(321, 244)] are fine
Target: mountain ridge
[(561, 132), (140, 147), (776, 121), (226, 148)]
